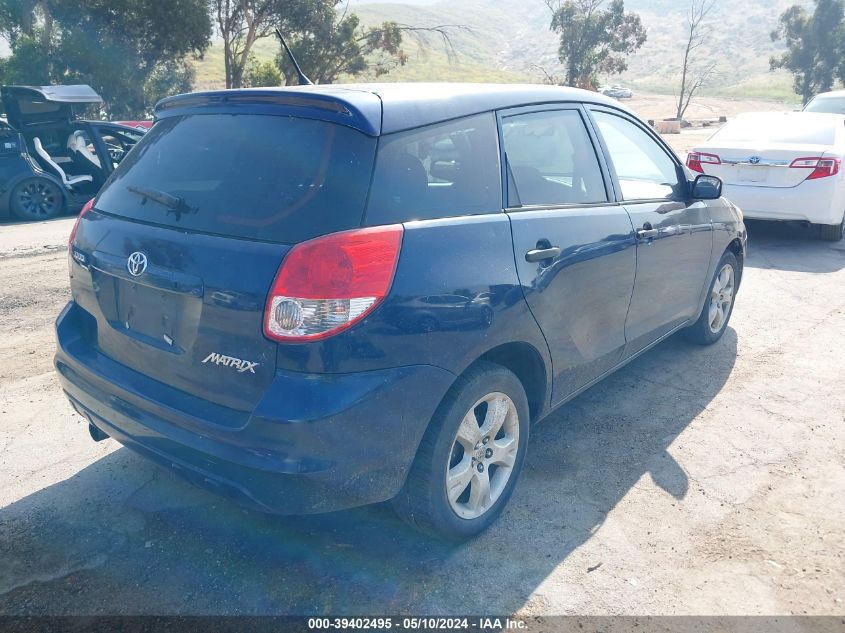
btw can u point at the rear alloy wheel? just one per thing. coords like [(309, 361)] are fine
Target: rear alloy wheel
[(483, 456), (470, 457), (36, 199), (718, 306), (832, 232)]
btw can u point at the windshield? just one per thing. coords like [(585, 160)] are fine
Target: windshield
[(779, 128), (272, 178), (832, 105)]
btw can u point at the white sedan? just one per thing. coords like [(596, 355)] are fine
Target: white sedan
[(781, 166)]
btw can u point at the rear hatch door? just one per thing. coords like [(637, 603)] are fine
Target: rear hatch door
[(191, 317), (179, 255)]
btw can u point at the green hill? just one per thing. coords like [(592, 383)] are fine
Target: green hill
[(509, 41)]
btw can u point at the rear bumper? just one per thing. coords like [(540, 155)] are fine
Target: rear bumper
[(315, 443), (814, 202)]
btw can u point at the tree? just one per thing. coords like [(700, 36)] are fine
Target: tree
[(29, 63), (331, 44), (20, 17), (130, 51), (327, 42), (241, 23), (264, 73), (695, 75), (815, 53), (593, 39)]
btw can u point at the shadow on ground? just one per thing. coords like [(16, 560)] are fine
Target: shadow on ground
[(793, 247), (124, 536), (12, 220)]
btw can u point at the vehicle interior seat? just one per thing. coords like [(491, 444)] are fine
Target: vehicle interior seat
[(534, 188), (69, 181), (472, 176), (76, 143), (407, 183)]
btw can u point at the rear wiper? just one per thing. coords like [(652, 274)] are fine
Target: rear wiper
[(174, 204)]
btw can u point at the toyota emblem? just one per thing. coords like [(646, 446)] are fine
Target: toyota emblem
[(754, 160), (136, 264)]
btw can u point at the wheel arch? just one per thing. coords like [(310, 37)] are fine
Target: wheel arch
[(526, 362), (739, 252)]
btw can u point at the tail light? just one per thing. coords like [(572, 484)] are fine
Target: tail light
[(88, 206), (696, 160), (327, 284), (822, 167)]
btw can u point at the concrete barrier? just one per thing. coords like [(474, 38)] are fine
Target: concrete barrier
[(668, 127)]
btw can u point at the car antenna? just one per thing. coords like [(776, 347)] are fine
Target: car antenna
[(303, 78)]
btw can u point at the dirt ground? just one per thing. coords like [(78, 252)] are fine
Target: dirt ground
[(694, 481), (654, 106)]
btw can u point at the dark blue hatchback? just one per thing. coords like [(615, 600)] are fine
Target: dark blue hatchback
[(320, 297)]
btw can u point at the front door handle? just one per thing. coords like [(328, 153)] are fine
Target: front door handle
[(542, 254)]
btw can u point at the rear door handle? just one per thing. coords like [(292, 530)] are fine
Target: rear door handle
[(542, 254), (648, 234)]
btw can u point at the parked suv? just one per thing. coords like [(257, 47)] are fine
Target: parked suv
[(321, 297), (50, 160)]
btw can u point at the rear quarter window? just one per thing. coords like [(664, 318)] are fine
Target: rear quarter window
[(271, 178), (438, 171)]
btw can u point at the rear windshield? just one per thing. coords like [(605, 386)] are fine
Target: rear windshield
[(831, 105), (810, 130), (271, 178)]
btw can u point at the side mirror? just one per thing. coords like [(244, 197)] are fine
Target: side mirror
[(707, 188)]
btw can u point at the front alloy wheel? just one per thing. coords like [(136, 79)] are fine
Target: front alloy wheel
[(721, 299), (714, 317), (470, 457)]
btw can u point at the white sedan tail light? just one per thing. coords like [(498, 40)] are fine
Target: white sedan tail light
[(822, 167), (696, 161)]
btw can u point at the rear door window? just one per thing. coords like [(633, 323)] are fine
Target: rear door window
[(271, 178), (443, 170), (551, 160)]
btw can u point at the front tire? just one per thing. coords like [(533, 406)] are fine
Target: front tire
[(36, 199), (832, 232), (470, 457), (719, 305)]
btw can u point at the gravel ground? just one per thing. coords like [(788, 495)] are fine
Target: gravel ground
[(694, 481)]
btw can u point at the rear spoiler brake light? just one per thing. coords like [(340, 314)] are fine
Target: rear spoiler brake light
[(199, 100)]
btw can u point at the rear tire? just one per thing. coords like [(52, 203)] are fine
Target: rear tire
[(719, 304), (475, 446), (36, 199), (832, 232)]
